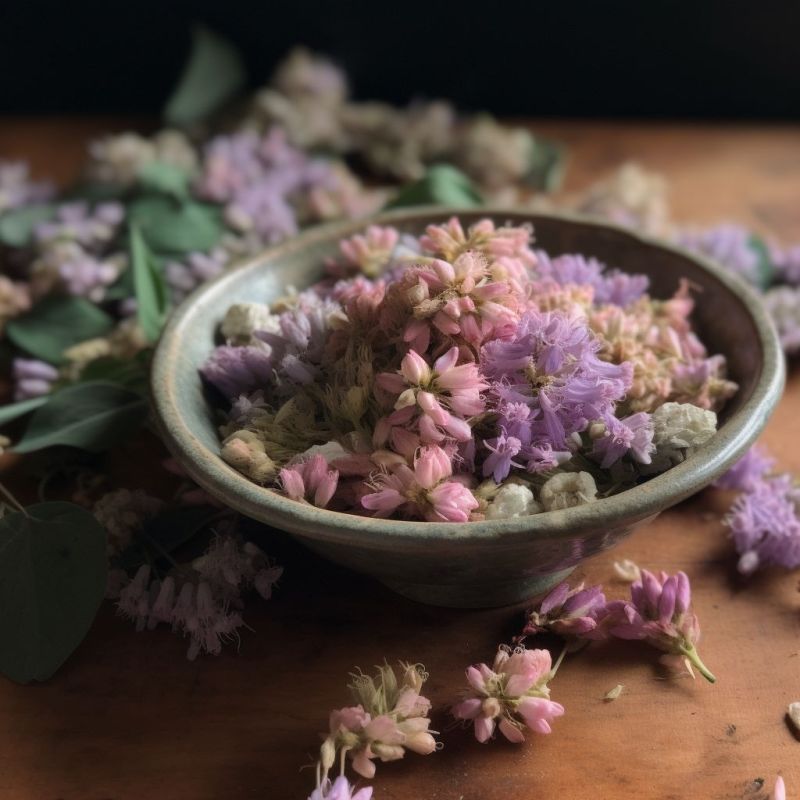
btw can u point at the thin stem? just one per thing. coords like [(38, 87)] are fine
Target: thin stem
[(13, 500), (558, 662), (157, 547), (693, 656)]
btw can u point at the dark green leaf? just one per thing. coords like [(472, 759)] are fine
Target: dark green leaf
[(131, 373), (151, 291), (442, 185), (16, 410), (55, 324), (546, 164), (765, 272), (122, 288), (212, 76), (92, 416), (165, 534), (52, 581), (17, 225), (170, 227), (96, 192), (156, 176)]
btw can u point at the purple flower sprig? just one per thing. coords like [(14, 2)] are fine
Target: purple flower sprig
[(571, 613), (659, 613)]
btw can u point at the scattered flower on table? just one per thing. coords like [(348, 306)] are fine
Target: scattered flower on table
[(779, 792), (511, 695), (729, 244), (746, 473), (566, 612), (32, 378), (659, 613), (391, 717), (793, 713), (340, 789), (627, 570)]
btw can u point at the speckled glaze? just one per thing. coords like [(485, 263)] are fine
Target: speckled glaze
[(478, 564)]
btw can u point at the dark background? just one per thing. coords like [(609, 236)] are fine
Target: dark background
[(649, 58)]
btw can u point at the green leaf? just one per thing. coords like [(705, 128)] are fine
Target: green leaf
[(169, 227), (16, 410), (96, 192), (765, 272), (151, 291), (165, 534), (547, 163), (167, 179), (92, 416), (132, 373), (17, 225), (212, 76), (441, 185), (55, 324), (52, 581)]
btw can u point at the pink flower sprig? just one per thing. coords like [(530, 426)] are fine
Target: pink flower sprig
[(570, 613), (391, 717), (340, 789), (659, 612), (512, 694)]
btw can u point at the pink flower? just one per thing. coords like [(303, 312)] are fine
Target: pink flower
[(435, 400), (368, 253), (659, 612), (310, 481), (424, 491), (340, 789), (512, 694), (779, 792)]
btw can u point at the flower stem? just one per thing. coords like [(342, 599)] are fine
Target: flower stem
[(691, 653), (558, 662)]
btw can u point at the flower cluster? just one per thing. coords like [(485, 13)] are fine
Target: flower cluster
[(391, 716), (511, 695), (448, 373), (658, 612)]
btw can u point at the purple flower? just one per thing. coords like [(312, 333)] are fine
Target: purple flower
[(340, 789), (17, 189), (32, 378), (239, 370), (633, 434), (659, 612), (86, 276), (184, 277), (500, 460), (567, 612), (610, 286), (76, 221), (551, 366), (787, 262), (729, 244), (783, 304), (263, 209), (751, 468), (764, 525)]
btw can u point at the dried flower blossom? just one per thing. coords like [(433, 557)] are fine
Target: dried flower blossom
[(627, 570), (512, 694), (310, 481), (15, 298), (391, 716), (340, 789), (783, 305), (764, 524), (567, 612), (512, 500), (32, 378), (567, 490), (729, 244), (659, 612), (124, 512), (17, 189), (751, 468)]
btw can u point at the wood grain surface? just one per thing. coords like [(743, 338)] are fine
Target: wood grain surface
[(128, 718)]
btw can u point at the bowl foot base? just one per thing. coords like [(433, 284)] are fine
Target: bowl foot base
[(478, 595)]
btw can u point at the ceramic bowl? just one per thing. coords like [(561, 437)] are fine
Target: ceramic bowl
[(477, 564)]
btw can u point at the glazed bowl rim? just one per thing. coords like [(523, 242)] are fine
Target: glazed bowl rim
[(208, 469)]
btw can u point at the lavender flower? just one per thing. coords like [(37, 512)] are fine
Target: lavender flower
[(610, 286), (783, 305), (184, 277), (239, 370), (751, 468), (91, 228), (32, 378), (567, 612), (659, 612), (764, 524), (17, 189), (729, 244), (787, 262), (613, 438)]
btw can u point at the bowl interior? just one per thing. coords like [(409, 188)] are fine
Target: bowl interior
[(727, 317)]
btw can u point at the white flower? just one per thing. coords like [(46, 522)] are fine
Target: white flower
[(122, 512), (512, 500), (682, 425), (627, 570), (244, 451), (244, 319), (568, 489), (794, 714), (330, 451)]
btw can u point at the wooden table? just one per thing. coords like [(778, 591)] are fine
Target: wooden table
[(129, 718)]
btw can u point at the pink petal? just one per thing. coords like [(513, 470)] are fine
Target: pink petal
[(484, 728), (511, 732), (467, 709)]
